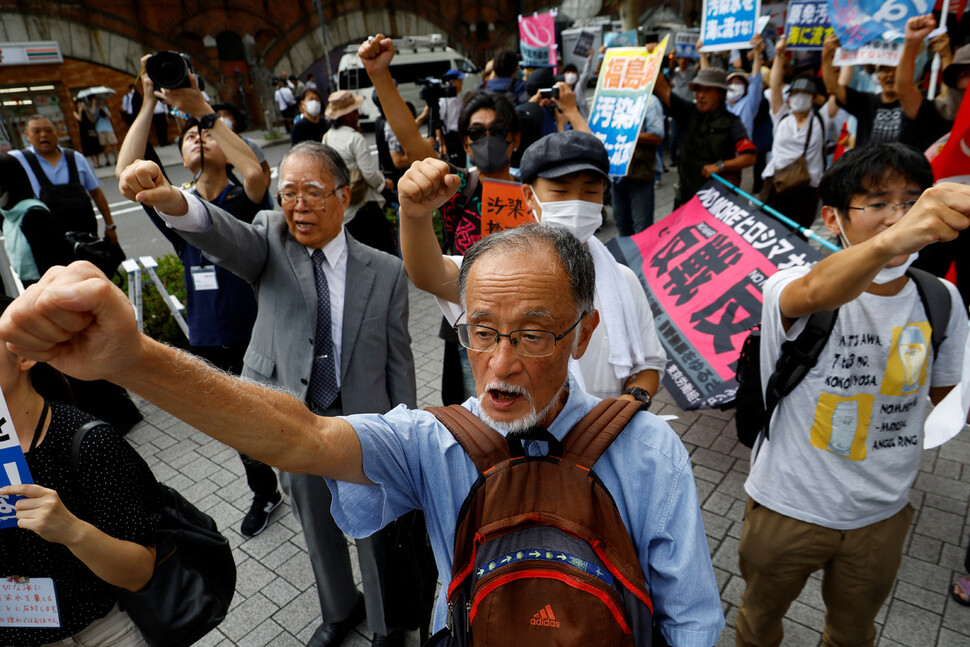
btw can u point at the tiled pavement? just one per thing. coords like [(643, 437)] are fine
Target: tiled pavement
[(276, 604)]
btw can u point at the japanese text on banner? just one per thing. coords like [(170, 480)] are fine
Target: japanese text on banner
[(28, 602), (537, 38), (875, 52), (729, 24), (807, 25), (703, 268), (503, 206), (13, 466), (857, 22), (620, 103), (685, 44)]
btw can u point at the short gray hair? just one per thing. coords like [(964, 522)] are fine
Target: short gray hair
[(326, 156), (573, 256)]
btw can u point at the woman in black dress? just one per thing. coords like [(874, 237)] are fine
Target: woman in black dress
[(90, 146)]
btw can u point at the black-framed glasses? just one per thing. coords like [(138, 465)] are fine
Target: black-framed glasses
[(527, 343), (477, 131), (885, 208), (313, 199)]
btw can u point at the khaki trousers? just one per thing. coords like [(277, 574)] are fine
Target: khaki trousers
[(778, 554)]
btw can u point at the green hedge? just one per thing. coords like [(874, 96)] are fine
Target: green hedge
[(159, 322)]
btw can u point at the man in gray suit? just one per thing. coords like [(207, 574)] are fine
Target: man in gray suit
[(351, 357)]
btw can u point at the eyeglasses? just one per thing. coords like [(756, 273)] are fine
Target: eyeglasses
[(885, 208), (476, 132), (313, 199), (527, 343)]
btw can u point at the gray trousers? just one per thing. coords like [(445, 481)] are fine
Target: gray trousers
[(329, 554)]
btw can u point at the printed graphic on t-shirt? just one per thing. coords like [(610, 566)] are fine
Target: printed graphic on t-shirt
[(850, 423), (886, 125), (906, 365), (842, 424)]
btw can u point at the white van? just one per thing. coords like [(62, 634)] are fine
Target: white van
[(417, 57)]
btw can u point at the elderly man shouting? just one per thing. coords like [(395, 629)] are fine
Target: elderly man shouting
[(528, 295)]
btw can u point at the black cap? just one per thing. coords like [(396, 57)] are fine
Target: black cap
[(563, 153)]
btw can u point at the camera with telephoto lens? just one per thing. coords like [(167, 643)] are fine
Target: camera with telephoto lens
[(171, 70), (433, 88)]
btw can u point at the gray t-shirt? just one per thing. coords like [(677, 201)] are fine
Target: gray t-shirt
[(846, 442)]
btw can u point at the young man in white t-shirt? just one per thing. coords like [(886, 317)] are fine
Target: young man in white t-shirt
[(830, 487)]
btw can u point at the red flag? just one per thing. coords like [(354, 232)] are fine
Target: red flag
[(956, 7), (953, 160), (841, 142)]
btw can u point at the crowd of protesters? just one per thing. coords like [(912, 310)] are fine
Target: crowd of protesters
[(823, 149)]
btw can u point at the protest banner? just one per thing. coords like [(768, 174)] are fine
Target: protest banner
[(703, 268), (685, 45), (729, 24), (620, 103), (14, 466), (807, 25), (28, 602), (621, 39), (875, 52), (584, 44), (858, 22), (503, 206), (537, 39)]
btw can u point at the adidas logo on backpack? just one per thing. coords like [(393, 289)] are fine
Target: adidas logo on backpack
[(541, 532), (545, 618)]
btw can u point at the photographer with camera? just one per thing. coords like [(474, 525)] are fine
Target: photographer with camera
[(446, 126), (220, 307)]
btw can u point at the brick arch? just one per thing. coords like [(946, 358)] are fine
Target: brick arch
[(303, 45)]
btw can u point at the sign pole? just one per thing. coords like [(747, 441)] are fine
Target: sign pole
[(935, 68)]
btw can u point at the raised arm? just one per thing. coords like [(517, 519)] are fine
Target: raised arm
[(83, 325), (426, 186), (238, 153), (910, 97), (829, 75), (133, 146), (376, 54), (777, 80), (940, 214), (567, 110)]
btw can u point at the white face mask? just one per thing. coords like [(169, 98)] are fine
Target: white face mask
[(735, 92), (229, 122), (800, 102), (886, 274), (312, 107), (580, 217), (570, 78)]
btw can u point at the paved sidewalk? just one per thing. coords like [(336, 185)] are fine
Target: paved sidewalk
[(276, 601)]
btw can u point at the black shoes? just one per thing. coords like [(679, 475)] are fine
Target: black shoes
[(334, 634), (393, 639), (257, 518)]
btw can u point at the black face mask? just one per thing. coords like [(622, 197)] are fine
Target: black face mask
[(490, 154)]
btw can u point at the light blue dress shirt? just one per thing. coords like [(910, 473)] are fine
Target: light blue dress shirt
[(747, 107), (418, 464), (61, 174)]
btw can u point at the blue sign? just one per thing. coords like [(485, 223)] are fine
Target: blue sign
[(618, 39), (13, 470), (729, 24), (857, 22), (685, 44), (807, 25)]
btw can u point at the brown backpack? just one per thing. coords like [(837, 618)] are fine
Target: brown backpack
[(542, 556)]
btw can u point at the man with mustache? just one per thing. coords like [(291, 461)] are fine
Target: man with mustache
[(528, 294)]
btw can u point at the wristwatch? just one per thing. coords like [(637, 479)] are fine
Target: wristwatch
[(640, 394), (720, 166), (208, 121)]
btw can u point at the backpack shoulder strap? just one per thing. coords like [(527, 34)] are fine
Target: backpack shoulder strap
[(936, 301), (485, 446), (42, 178), (73, 176), (79, 438), (797, 358), (586, 442)]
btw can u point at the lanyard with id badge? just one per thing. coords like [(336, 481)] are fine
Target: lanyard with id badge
[(204, 277)]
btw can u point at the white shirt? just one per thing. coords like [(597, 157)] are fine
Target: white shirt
[(197, 219), (126, 102), (353, 149), (450, 108), (789, 144)]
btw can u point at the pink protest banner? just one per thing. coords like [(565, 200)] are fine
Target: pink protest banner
[(537, 39), (703, 268)]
